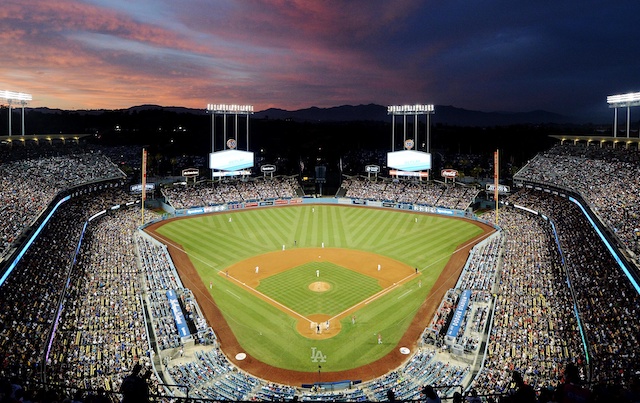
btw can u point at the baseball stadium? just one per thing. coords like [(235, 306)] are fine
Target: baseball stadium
[(230, 282)]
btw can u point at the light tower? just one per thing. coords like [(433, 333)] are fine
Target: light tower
[(410, 162), (408, 110), (229, 159), (22, 98), (619, 101)]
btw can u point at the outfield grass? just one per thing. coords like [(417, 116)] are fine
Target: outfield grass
[(213, 242)]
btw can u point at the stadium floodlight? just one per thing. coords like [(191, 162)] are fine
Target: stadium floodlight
[(410, 110), (15, 96), (622, 100), (224, 110), (417, 109), (230, 109)]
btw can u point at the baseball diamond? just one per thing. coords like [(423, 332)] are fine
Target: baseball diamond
[(339, 263)]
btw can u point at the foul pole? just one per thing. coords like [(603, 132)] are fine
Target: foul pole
[(496, 174), (144, 180)]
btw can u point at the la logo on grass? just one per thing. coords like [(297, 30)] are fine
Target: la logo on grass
[(317, 356)]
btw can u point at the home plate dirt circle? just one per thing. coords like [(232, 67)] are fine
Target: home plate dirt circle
[(319, 286), (315, 327)]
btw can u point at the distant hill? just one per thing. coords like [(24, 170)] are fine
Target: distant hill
[(447, 115)]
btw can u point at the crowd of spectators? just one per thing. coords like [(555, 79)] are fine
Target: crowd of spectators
[(231, 191), (210, 375), (480, 271), (442, 316), (534, 329), (608, 304), (101, 333), (27, 186), (424, 368), (159, 276), (77, 294), (437, 194), (29, 295), (606, 178)]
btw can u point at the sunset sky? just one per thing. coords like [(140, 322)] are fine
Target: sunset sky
[(560, 56)]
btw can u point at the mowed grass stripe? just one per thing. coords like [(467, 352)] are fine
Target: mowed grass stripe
[(273, 227), (393, 226), (305, 227), (448, 234), (356, 224), (336, 232), (269, 237), (300, 217), (214, 247), (196, 244), (370, 227), (342, 238), (328, 226)]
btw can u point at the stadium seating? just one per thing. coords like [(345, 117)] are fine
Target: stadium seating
[(527, 282)]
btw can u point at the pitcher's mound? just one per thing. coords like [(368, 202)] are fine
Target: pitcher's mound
[(319, 286)]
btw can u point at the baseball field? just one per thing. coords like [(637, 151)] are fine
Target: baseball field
[(322, 290)]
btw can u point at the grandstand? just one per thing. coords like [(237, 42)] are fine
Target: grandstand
[(84, 291)]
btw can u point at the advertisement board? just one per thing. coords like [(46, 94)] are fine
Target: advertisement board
[(190, 172), (490, 187), (395, 172), (458, 317), (231, 173), (138, 188), (449, 173), (178, 316)]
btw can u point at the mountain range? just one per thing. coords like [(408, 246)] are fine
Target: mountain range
[(447, 115), (444, 114)]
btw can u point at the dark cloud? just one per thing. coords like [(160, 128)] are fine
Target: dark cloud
[(493, 55)]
